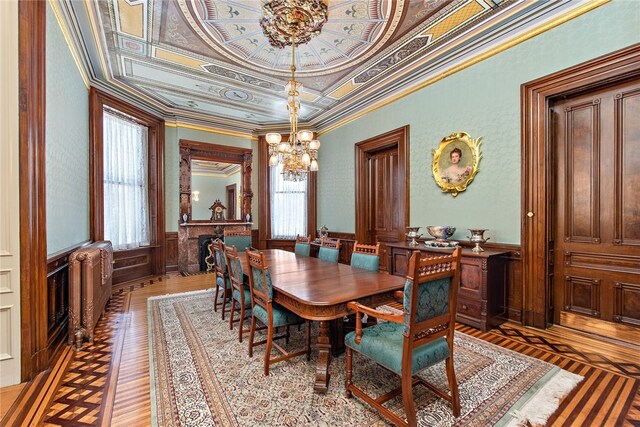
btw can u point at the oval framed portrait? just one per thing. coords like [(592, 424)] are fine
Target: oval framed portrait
[(455, 162)]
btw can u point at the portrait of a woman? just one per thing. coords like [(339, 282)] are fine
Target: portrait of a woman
[(456, 173)]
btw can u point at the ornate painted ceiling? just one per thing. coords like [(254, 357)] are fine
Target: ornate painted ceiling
[(207, 62)]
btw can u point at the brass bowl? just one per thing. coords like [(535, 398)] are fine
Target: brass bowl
[(441, 232)]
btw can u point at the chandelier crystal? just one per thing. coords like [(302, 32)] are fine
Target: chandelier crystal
[(285, 23)]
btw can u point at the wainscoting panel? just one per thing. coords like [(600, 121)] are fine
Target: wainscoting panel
[(131, 264), (171, 240)]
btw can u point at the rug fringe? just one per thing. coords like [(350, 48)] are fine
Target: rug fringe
[(540, 406), (181, 294)]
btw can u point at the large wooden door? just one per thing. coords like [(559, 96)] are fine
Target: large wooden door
[(382, 190), (383, 222), (596, 227)]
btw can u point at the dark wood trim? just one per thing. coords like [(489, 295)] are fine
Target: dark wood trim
[(155, 125), (397, 137), (264, 207), (264, 210), (537, 203), (171, 241), (33, 233), (215, 152)]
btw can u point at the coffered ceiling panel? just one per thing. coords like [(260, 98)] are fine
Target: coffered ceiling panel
[(208, 61)]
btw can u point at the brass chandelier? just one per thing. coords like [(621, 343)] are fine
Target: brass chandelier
[(287, 22)]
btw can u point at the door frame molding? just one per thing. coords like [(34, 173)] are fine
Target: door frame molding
[(400, 138), (537, 168)]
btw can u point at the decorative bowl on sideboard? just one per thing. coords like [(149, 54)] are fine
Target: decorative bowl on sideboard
[(441, 232)]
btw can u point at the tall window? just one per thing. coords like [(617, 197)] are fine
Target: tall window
[(126, 198), (288, 206)]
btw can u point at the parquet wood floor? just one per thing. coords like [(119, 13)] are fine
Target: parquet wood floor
[(107, 383)]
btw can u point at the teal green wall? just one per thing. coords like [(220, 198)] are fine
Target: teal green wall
[(67, 147), (173, 135), (484, 101)]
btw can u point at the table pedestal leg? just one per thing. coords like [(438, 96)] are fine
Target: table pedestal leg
[(324, 358)]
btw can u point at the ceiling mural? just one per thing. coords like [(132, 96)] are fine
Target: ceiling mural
[(208, 61)]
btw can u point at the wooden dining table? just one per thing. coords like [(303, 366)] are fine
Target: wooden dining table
[(319, 290)]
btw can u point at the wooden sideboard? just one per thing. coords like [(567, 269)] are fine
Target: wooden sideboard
[(483, 282)]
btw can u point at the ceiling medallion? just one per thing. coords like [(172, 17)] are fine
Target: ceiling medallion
[(286, 20)]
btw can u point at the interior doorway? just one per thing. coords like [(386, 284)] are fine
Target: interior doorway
[(382, 190), (580, 212), (596, 217)]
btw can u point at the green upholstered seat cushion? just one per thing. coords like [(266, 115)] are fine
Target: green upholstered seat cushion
[(365, 261), (383, 344), (240, 242), (247, 296), (281, 316), (328, 254), (220, 283), (302, 249)]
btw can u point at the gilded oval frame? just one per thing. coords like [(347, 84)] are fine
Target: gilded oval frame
[(454, 176)]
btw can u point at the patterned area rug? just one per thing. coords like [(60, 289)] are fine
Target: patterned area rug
[(202, 376)]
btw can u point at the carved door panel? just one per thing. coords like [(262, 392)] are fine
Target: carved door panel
[(596, 223), (383, 220)]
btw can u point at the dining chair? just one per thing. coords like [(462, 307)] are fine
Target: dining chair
[(270, 313), (365, 256), (222, 276), (303, 245), (421, 336), (329, 250), (240, 238), (240, 292)]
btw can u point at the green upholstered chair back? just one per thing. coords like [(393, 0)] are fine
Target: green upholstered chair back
[(234, 265), (241, 239), (218, 251), (329, 250), (328, 254), (222, 275), (259, 278), (302, 249), (430, 293), (365, 256), (303, 245)]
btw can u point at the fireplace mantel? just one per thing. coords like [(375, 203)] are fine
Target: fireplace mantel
[(188, 234)]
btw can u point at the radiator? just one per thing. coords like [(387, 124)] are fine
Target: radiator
[(90, 273)]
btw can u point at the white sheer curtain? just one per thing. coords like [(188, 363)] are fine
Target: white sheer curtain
[(288, 206), (126, 201)]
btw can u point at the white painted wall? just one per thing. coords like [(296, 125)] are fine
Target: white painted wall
[(9, 203)]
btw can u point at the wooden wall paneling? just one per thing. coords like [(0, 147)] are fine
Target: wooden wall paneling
[(627, 108), (156, 250), (537, 186), (132, 264), (33, 236), (171, 241)]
